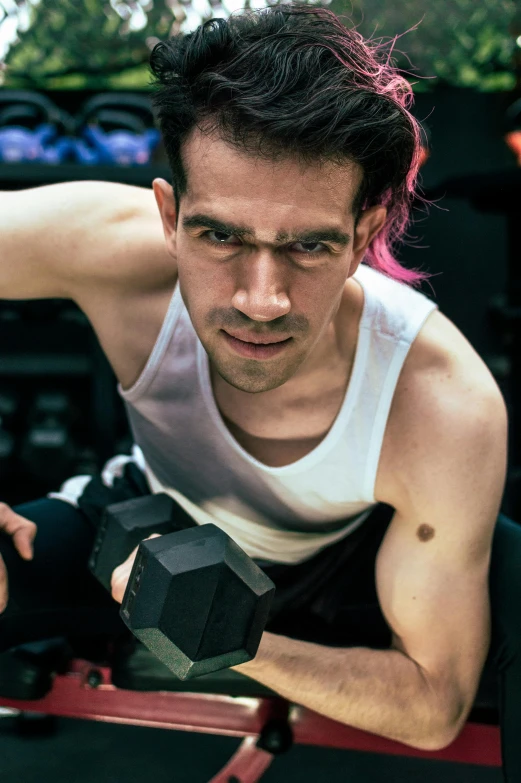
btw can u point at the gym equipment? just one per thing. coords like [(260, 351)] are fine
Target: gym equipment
[(136, 689), (197, 601), (124, 525), (33, 128), (8, 407), (8, 411), (115, 128), (194, 598), (47, 448), (7, 445)]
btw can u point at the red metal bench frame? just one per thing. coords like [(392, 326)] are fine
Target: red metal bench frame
[(85, 691)]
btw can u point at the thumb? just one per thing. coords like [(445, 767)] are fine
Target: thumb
[(23, 539), (21, 530)]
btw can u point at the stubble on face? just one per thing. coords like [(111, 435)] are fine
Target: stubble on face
[(271, 198), (252, 375)]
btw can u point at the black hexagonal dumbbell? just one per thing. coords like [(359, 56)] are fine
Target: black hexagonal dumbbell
[(123, 525), (197, 601)]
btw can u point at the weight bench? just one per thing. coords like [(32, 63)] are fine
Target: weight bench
[(127, 684)]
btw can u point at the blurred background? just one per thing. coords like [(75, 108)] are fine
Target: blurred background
[(74, 104)]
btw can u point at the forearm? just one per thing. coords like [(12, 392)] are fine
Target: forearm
[(380, 691)]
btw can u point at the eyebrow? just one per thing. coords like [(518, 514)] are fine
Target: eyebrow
[(319, 234)]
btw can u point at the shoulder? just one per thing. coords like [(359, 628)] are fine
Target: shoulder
[(110, 237), (447, 406)]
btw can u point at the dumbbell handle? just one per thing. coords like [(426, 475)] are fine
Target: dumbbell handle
[(124, 525)]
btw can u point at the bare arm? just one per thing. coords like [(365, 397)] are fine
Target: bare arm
[(100, 244), (433, 566), (57, 239), (431, 577)]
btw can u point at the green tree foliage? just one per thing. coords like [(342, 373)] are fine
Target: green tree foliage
[(86, 43), (106, 43), (464, 43)]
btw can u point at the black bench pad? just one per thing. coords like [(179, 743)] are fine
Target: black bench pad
[(137, 669)]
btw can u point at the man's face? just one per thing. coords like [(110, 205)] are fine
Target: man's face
[(263, 252)]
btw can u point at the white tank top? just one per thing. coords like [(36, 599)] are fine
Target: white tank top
[(285, 514)]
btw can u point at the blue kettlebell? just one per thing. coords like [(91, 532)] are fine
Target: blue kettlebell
[(33, 128), (116, 129)]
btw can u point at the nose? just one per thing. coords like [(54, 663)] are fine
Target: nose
[(261, 291)]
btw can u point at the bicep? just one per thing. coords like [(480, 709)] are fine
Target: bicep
[(437, 607), (432, 567)]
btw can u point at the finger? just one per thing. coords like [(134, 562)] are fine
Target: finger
[(22, 530), (3, 586), (23, 540), (121, 574), (119, 581)]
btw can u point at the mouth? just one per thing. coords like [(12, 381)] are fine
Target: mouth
[(257, 339), (256, 346)]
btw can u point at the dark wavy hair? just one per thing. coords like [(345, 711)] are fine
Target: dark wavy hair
[(293, 81)]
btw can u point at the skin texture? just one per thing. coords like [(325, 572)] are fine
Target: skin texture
[(254, 284)]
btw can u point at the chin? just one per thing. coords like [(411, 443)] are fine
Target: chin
[(252, 379), (250, 376)]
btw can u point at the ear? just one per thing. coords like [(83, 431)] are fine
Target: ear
[(166, 204), (371, 222)]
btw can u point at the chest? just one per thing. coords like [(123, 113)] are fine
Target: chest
[(299, 441), (274, 452), (280, 437)]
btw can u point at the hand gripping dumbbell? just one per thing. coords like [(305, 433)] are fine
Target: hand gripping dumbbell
[(194, 598)]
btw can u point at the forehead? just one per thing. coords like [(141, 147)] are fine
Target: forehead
[(217, 173)]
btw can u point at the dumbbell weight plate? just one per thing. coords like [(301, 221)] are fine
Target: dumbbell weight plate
[(124, 525), (197, 601)]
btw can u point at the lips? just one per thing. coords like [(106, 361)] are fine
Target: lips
[(257, 339), (255, 350)]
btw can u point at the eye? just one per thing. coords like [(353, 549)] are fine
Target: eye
[(205, 235), (312, 244), (307, 252)]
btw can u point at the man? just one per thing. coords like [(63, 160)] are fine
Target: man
[(281, 388)]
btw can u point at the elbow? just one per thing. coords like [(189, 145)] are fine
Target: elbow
[(445, 721), (441, 736), (437, 741)]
